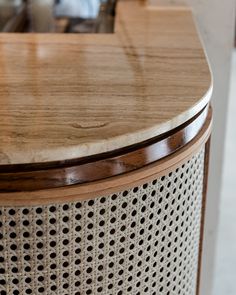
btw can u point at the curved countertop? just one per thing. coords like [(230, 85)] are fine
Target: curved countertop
[(68, 96)]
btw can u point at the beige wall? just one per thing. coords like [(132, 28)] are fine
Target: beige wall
[(215, 19)]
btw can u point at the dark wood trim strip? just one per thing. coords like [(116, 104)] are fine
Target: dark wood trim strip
[(204, 200), (16, 178), (111, 185), (94, 158)]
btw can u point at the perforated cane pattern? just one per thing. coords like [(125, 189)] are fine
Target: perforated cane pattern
[(141, 241)]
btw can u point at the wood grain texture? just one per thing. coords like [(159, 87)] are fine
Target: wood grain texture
[(69, 96), (113, 184)]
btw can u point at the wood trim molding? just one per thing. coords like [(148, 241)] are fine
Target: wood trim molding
[(204, 200), (33, 177), (112, 184)]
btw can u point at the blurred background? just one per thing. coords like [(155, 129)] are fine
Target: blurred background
[(57, 16)]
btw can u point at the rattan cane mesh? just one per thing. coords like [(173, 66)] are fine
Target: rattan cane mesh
[(144, 240)]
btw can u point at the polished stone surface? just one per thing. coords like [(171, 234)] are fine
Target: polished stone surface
[(63, 97)]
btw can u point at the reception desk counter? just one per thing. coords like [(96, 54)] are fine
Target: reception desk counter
[(104, 145)]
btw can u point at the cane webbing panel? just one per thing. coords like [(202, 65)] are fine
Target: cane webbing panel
[(141, 241)]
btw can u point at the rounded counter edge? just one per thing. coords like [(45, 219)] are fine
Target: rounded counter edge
[(91, 177)]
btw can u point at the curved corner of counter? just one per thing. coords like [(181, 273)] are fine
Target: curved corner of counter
[(104, 149)]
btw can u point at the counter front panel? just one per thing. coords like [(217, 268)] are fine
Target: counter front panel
[(142, 240)]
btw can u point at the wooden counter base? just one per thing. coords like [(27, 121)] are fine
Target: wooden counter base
[(131, 234)]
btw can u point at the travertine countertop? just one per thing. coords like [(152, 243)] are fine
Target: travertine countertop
[(67, 96)]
